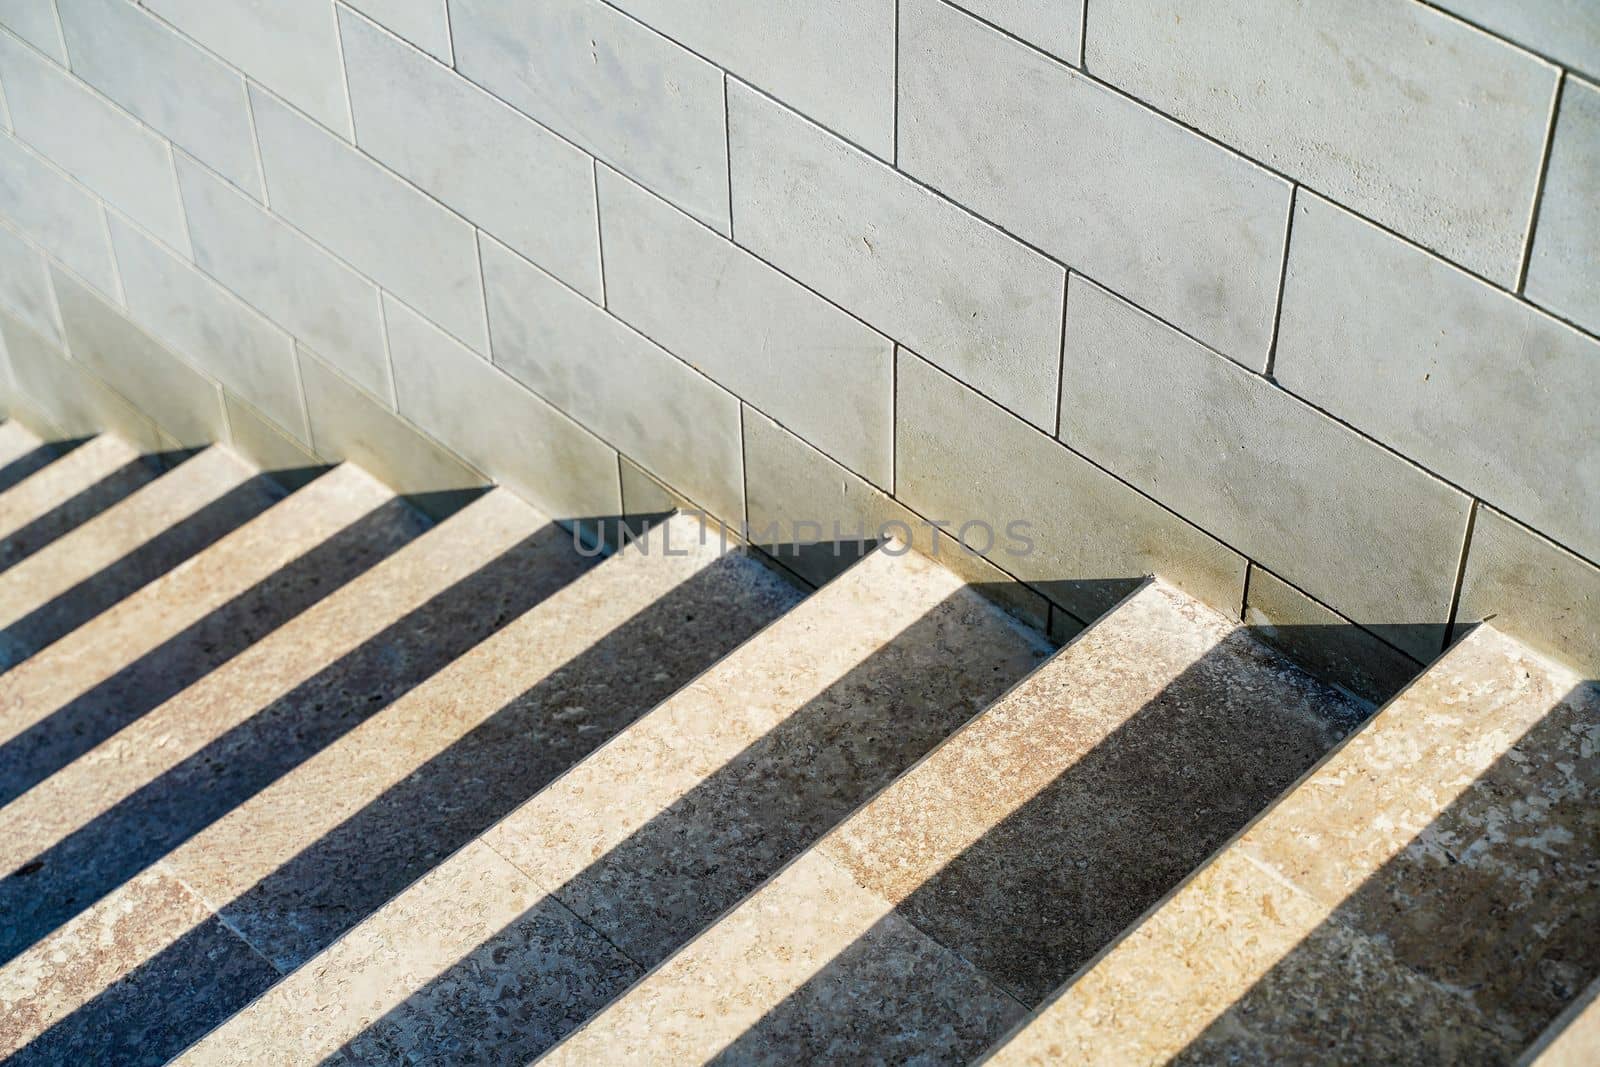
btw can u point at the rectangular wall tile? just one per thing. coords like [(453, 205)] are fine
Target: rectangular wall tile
[(35, 22), (92, 140), (289, 46), (53, 210), (961, 459), (25, 285), (678, 424), (346, 424), (77, 403), (496, 424), (1564, 271), (269, 446), (1053, 25), (383, 227), (1355, 526), (425, 23), (975, 302), (1533, 590), (166, 81), (1473, 384), (181, 400), (1565, 30), (305, 290), (628, 95), (830, 59), (211, 327), (1176, 223), (497, 167), (746, 326), (1395, 109)]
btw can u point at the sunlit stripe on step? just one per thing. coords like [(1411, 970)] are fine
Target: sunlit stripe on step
[(1273, 896), (114, 535), (860, 655), (62, 480)]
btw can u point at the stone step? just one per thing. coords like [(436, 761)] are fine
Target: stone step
[(22, 453), (68, 492), (539, 922), (52, 592), (1430, 894), (63, 702), (1573, 1040), (925, 926), (299, 816)]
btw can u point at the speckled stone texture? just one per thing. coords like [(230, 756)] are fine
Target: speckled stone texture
[(22, 454), (68, 492), (1430, 894), (154, 530), (923, 926), (1573, 1040)]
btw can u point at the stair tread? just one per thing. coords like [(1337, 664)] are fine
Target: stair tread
[(74, 488), (1430, 892), (1573, 1040), (22, 453), (418, 729), (653, 834), (932, 918), (124, 548)]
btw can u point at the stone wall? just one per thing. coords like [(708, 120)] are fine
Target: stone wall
[(1294, 303)]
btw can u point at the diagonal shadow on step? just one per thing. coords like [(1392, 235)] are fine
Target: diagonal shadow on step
[(1466, 944), (965, 950), (563, 960), (173, 998), (85, 721), (35, 460), (143, 565), (138, 830), (81, 507)]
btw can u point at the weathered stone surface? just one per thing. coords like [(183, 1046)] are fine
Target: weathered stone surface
[(26, 508), (1564, 266)]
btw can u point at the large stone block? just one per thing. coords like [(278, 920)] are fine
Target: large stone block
[(57, 212), (25, 285), (1053, 25), (425, 23), (1567, 31), (1564, 269)]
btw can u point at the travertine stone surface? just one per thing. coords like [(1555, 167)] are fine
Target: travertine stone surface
[(995, 867), (309, 858), (1431, 888), (31, 503), (22, 453), (125, 547)]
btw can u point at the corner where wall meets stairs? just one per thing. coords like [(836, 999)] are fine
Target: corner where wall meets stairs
[(292, 772)]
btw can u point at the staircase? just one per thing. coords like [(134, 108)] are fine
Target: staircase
[(304, 777)]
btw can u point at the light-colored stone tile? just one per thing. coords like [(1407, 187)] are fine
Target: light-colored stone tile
[(290, 46), (1323, 641), (1088, 540), (35, 22), (797, 494), (346, 424), (504, 172), (425, 23), (830, 59), (1474, 385), (62, 480), (1053, 25), (642, 494), (497, 424), (764, 337), (1176, 223), (324, 303), (1565, 30), (1532, 589), (1385, 105), (680, 425), (969, 298), (1359, 528), (181, 400), (1564, 270), (406, 242), (166, 81), (92, 140), (25, 285), (269, 446), (76, 403), (690, 1012), (56, 212), (628, 95), (210, 326)]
